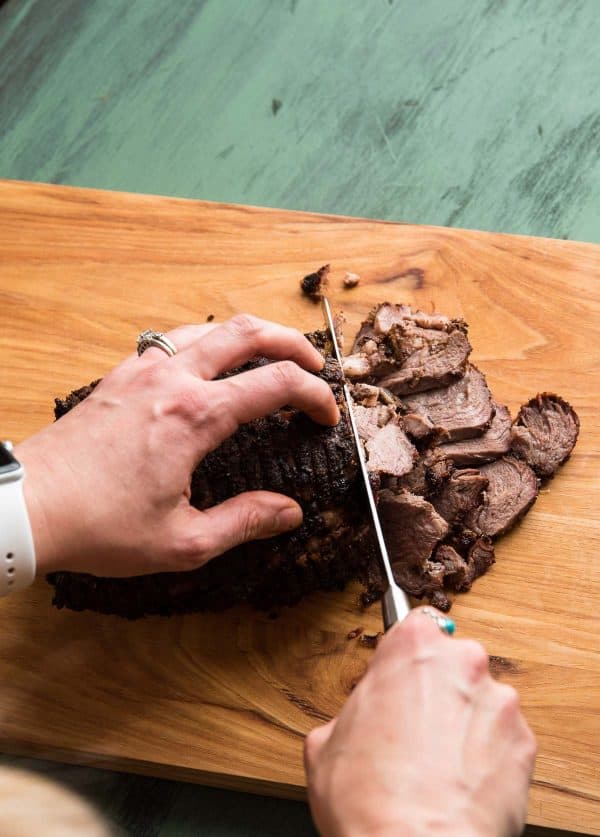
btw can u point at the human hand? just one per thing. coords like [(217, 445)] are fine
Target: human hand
[(107, 486), (428, 743)]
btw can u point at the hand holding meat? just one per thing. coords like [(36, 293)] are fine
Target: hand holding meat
[(428, 743), (107, 487)]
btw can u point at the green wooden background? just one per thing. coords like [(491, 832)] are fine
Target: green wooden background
[(471, 113)]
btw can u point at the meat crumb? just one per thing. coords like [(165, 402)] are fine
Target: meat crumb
[(370, 640), (351, 280), (210, 318), (353, 634), (314, 284)]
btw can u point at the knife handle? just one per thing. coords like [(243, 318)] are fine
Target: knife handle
[(394, 606)]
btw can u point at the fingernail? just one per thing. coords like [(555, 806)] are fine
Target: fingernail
[(288, 518)]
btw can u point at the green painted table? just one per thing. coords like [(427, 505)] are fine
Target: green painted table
[(474, 113)]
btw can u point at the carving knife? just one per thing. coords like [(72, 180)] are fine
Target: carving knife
[(394, 603)]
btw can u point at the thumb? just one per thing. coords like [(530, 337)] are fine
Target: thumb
[(250, 516), (314, 743)]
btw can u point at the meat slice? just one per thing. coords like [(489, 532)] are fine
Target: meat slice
[(430, 359), (461, 410), (460, 494), (412, 528), (390, 452), (480, 558), (386, 316), (544, 433), (418, 426), (512, 490), (365, 394), (427, 476), (408, 351), (492, 444), (370, 420)]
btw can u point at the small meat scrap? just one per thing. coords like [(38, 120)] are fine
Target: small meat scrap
[(351, 280), (370, 640), (314, 284), (354, 633)]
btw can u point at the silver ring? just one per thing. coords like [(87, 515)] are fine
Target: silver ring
[(157, 340), (444, 623)]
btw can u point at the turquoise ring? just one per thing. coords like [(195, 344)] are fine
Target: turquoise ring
[(446, 625)]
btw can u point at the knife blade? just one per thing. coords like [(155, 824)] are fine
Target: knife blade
[(394, 604)]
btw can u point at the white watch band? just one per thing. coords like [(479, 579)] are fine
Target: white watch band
[(17, 553)]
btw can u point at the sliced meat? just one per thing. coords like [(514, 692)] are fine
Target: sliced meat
[(462, 410), (429, 359), (418, 426), (455, 566), (412, 528), (386, 316), (390, 452), (459, 572), (461, 493), (408, 351), (428, 475), (370, 420), (365, 394), (512, 490), (493, 443), (480, 559), (544, 433)]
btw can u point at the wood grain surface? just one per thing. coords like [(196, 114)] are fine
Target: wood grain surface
[(226, 699)]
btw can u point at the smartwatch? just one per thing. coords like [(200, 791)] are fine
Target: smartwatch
[(17, 554)]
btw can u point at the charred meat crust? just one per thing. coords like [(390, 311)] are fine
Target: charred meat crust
[(314, 284)]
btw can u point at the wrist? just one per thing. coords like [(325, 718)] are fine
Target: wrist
[(38, 502)]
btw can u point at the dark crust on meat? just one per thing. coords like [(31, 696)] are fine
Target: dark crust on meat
[(285, 452), (63, 405)]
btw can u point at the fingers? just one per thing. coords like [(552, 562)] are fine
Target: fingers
[(260, 391), (243, 337), (250, 516), (314, 743)]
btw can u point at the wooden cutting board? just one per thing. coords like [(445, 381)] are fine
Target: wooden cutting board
[(226, 699)]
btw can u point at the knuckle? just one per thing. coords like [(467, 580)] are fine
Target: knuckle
[(531, 745), (191, 403), (193, 549), (286, 373), (251, 524), (153, 376), (508, 698), (408, 638), (411, 632), (244, 325), (474, 657)]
